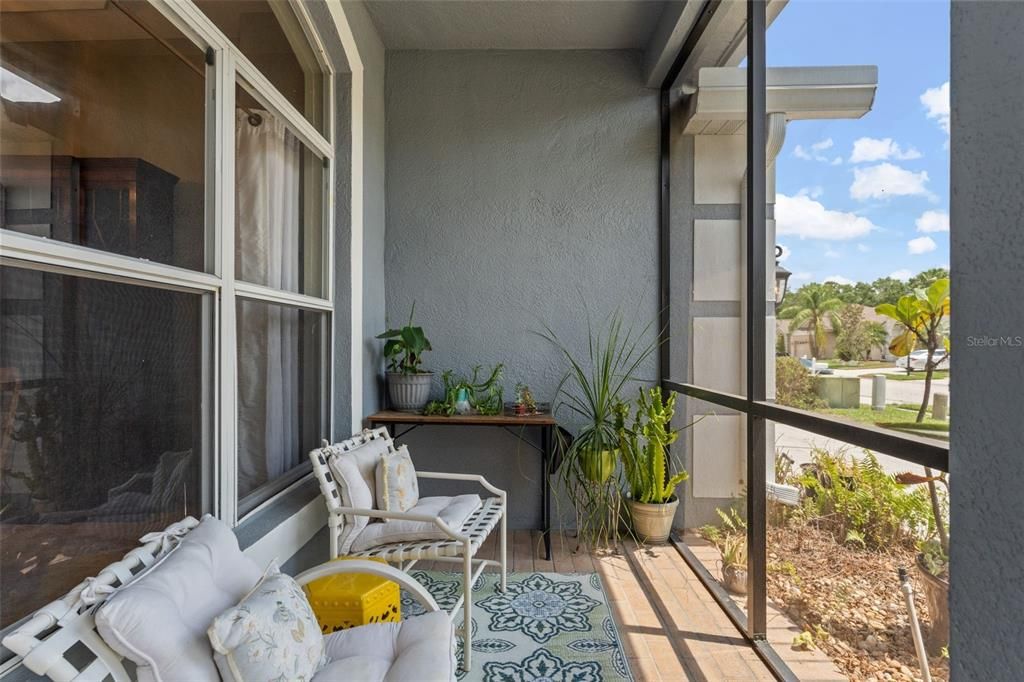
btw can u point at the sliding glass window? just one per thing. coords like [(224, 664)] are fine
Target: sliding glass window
[(165, 274)]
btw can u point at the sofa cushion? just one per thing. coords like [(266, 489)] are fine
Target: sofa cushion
[(452, 510), (271, 635), (159, 621), (419, 648), (355, 473), (397, 488)]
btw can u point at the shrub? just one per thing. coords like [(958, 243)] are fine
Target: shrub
[(794, 385), (858, 501)]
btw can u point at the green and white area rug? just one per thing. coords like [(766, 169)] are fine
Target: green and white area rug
[(545, 626)]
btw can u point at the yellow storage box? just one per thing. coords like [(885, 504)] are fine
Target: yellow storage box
[(350, 599)]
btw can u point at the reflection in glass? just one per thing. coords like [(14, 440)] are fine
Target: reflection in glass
[(280, 376), (101, 426), (83, 92), (269, 34)]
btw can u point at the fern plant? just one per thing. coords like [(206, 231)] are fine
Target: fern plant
[(644, 447)]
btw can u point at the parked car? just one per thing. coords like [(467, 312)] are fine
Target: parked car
[(815, 367), (917, 360)]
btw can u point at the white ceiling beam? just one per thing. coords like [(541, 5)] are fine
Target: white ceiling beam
[(676, 20)]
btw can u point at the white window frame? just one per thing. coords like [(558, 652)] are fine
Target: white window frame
[(229, 68)]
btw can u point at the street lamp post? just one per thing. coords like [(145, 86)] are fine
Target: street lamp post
[(781, 277)]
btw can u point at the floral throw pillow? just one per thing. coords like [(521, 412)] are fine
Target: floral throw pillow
[(397, 489), (271, 635)]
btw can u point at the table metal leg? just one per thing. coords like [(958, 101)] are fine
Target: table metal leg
[(546, 442)]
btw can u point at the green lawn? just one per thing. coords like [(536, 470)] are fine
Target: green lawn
[(896, 418), (916, 376), (858, 364)]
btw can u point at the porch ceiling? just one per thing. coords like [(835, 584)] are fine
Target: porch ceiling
[(516, 24)]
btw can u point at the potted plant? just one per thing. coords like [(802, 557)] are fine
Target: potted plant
[(470, 395), (933, 570), (589, 394), (647, 464), (734, 563), (408, 384), (525, 403)]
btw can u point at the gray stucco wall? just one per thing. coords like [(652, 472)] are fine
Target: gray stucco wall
[(520, 186), (987, 244)]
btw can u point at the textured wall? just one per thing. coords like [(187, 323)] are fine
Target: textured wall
[(520, 185), (987, 244)]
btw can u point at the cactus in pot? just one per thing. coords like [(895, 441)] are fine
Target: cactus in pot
[(647, 463)]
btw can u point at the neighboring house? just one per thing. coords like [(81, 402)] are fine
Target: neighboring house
[(797, 342)]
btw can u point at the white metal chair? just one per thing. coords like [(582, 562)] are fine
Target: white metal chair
[(50, 642), (455, 545)]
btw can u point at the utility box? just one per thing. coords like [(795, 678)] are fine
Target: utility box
[(839, 392)]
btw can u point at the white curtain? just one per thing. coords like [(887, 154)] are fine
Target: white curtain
[(267, 238)]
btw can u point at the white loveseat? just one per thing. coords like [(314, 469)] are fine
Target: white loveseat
[(154, 608)]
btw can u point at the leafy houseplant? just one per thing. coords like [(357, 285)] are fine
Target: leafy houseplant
[(483, 395), (646, 463), (590, 392), (408, 384)]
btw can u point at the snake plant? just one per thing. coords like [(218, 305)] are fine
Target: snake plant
[(644, 447)]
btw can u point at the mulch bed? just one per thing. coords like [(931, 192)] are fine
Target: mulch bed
[(852, 595)]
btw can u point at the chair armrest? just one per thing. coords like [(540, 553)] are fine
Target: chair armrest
[(373, 568), (476, 478), (402, 516), (127, 485)]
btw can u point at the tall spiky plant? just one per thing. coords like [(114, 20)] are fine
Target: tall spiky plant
[(644, 447), (589, 392)]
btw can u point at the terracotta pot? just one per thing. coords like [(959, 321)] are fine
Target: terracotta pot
[(409, 392), (936, 597), (598, 467), (653, 522)]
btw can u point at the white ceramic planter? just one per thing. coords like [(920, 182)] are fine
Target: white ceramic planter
[(653, 522), (409, 392)]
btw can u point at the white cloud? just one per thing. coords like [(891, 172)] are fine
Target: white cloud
[(936, 104), (800, 276), (815, 152), (813, 192), (902, 275), (831, 253), (839, 279), (886, 180), (786, 253), (803, 217), (921, 245), (837, 161), (933, 221), (863, 248), (873, 149)]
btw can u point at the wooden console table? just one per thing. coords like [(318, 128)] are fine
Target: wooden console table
[(515, 425)]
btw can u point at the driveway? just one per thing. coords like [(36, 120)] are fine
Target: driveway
[(798, 445)]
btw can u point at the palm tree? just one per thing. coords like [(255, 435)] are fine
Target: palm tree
[(878, 334), (808, 308)]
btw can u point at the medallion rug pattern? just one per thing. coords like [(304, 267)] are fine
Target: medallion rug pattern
[(545, 626)]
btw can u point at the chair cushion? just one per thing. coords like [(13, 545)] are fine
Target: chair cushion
[(159, 621), (272, 634), (397, 488), (355, 472), (452, 510), (420, 648)]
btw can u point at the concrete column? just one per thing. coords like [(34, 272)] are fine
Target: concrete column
[(878, 392), (940, 406)]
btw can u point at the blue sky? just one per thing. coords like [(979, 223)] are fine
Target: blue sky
[(867, 198)]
